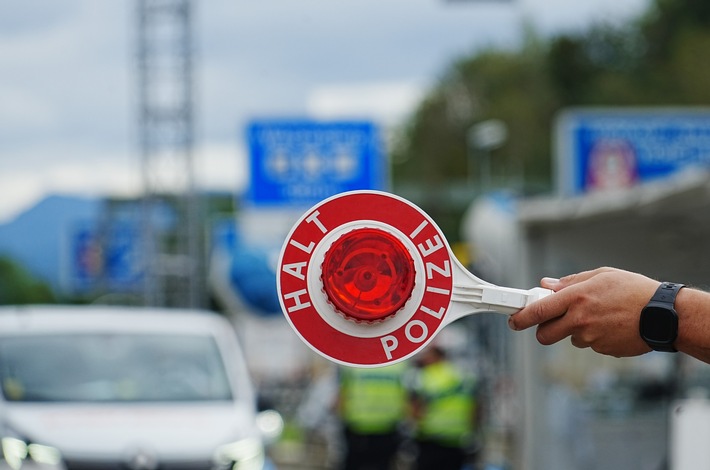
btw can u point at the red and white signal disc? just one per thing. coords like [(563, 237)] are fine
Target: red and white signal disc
[(365, 278)]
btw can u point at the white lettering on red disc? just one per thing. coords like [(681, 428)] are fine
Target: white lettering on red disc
[(296, 294)]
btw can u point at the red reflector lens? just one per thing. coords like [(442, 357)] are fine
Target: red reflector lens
[(368, 274)]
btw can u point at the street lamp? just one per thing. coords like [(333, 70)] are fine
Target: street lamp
[(482, 139)]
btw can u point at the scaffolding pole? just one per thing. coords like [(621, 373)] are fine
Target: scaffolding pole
[(170, 215)]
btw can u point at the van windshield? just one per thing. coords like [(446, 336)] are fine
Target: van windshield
[(112, 368)]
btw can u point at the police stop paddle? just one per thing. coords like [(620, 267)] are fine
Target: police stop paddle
[(366, 278)]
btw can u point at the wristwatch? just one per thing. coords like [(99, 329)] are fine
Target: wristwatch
[(658, 325)]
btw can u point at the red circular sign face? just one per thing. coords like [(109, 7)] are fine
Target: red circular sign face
[(368, 274), (341, 330)]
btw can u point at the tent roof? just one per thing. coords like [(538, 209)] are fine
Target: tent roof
[(686, 193)]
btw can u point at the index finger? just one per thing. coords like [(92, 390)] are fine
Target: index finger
[(573, 279), (540, 311)]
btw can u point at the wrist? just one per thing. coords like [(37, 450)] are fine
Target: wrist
[(658, 325), (693, 308)]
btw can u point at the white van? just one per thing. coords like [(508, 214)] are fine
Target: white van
[(87, 387)]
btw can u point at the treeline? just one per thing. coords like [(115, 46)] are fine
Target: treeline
[(660, 58), (18, 286)]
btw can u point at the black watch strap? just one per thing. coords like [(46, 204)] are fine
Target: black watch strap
[(665, 295), (667, 292)]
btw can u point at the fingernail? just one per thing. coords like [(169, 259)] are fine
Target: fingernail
[(511, 324), (550, 280)]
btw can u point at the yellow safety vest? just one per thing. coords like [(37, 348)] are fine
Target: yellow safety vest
[(449, 405), (373, 401)]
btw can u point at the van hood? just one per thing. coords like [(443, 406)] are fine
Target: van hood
[(114, 431)]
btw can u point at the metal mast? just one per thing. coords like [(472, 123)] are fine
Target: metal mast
[(170, 216)]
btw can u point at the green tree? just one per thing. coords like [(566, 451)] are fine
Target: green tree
[(666, 21), (660, 58), (434, 156), (17, 286)]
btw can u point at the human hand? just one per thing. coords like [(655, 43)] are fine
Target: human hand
[(598, 309)]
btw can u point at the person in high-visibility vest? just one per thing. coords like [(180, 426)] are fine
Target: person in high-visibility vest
[(444, 410), (372, 406)]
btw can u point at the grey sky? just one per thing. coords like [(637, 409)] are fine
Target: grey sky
[(67, 75)]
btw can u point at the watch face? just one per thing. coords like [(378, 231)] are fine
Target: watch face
[(659, 324)]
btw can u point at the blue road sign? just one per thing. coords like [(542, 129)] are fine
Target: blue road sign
[(300, 162), (106, 260), (607, 148)]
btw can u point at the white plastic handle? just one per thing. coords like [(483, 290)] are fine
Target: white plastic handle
[(473, 295)]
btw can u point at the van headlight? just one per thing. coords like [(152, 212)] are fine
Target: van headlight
[(246, 454), (17, 451)]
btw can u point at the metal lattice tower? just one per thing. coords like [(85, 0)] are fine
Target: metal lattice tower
[(170, 215)]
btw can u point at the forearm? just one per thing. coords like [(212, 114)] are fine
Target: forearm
[(693, 307), (601, 309)]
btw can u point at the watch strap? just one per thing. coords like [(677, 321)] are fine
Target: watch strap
[(665, 294)]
